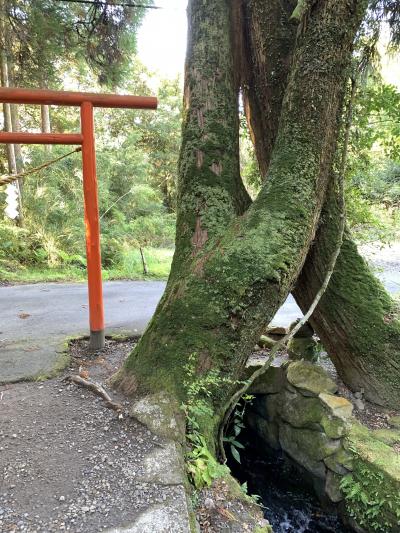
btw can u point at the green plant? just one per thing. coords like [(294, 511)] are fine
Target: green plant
[(236, 426), (201, 464), (255, 498), (369, 499)]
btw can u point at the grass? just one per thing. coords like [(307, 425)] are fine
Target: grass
[(130, 267)]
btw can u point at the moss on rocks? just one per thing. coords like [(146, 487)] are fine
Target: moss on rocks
[(372, 490), (310, 379), (303, 348), (270, 382)]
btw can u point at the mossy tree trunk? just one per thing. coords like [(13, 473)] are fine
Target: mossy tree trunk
[(232, 270), (357, 320)]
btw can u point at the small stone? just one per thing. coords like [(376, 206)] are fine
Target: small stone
[(209, 503), (359, 404), (266, 342), (61, 499), (306, 331), (394, 421), (303, 348)]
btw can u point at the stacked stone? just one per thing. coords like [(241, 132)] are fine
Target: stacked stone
[(296, 410)]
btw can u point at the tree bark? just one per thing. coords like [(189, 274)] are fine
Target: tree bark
[(356, 319), (14, 155), (210, 191), (267, 48), (45, 123), (230, 276), (359, 326)]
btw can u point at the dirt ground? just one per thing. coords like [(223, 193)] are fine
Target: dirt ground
[(67, 463)]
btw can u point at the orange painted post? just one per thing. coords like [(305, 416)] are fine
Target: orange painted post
[(92, 224), (14, 95), (17, 137), (86, 101)]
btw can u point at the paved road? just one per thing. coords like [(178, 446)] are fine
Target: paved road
[(30, 345), (35, 319)]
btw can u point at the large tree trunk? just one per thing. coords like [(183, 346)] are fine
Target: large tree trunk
[(228, 279), (356, 319), (267, 48)]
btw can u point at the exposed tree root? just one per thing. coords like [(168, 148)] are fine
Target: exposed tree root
[(97, 389)]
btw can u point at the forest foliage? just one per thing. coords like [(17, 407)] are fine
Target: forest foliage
[(83, 47)]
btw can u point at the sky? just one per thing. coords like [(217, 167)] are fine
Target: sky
[(162, 38), (162, 42)]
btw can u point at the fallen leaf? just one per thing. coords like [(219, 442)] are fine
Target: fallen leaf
[(23, 315), (84, 374)]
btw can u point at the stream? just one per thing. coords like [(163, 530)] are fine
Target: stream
[(290, 505)]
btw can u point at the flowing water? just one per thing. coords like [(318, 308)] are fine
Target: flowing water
[(290, 504)]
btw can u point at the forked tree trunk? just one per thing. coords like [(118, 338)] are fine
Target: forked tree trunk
[(356, 319), (230, 276)]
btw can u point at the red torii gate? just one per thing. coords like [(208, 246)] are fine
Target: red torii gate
[(86, 102)]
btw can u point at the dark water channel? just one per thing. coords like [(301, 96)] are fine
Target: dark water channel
[(289, 500)]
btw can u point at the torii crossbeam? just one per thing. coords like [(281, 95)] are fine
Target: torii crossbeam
[(86, 102)]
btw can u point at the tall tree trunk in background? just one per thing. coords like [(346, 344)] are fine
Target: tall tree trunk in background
[(357, 320), (231, 273), (45, 123), (14, 155)]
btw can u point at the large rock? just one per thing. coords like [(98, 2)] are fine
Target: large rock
[(302, 412), (276, 332), (303, 348), (307, 447), (337, 413), (310, 379), (340, 462), (332, 487), (161, 414), (271, 382), (267, 431), (326, 413)]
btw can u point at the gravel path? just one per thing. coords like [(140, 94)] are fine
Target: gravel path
[(69, 464)]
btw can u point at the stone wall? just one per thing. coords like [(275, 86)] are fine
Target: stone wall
[(296, 409)]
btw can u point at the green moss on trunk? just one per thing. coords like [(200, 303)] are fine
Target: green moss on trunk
[(357, 320), (222, 293)]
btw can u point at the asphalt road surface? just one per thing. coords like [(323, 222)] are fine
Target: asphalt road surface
[(36, 319)]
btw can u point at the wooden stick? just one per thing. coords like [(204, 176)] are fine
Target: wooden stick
[(97, 389)]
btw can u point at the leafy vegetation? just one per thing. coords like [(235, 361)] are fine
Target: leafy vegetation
[(136, 150), (201, 464)]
